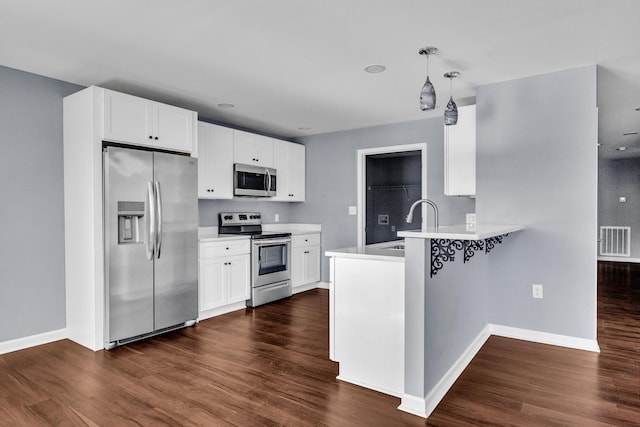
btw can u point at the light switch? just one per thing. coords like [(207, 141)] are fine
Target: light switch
[(353, 210), (622, 199)]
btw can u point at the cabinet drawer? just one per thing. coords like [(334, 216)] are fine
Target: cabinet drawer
[(305, 240), (216, 249)]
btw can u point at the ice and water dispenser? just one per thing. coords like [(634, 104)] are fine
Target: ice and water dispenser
[(130, 220)]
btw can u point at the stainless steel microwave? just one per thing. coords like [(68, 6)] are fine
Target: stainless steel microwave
[(256, 181)]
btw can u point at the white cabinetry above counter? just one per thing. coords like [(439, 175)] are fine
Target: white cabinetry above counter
[(219, 148), (290, 167), (215, 161), (252, 149), (133, 120), (460, 154)]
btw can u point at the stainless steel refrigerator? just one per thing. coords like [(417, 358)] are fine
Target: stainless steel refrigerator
[(151, 243)]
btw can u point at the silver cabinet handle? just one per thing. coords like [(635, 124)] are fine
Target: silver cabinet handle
[(159, 234), (151, 206)]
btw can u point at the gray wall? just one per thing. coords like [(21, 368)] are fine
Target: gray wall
[(620, 178), (32, 290), (537, 166), (331, 173)]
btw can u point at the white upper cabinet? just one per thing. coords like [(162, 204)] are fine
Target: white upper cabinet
[(460, 154), (215, 161), (290, 170), (133, 120), (252, 149)]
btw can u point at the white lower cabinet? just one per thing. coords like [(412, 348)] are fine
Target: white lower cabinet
[(305, 259), (224, 277)]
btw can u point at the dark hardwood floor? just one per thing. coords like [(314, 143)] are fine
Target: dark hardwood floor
[(270, 366)]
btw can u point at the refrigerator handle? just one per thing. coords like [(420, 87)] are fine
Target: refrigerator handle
[(152, 221), (159, 215)]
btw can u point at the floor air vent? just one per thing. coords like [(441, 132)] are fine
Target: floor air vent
[(615, 241)]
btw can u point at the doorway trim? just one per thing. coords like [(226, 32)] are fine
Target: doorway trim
[(362, 179)]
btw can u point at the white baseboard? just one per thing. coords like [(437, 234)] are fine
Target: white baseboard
[(367, 385), (32, 341), (437, 393), (424, 407), (221, 310), (323, 285), (618, 259), (309, 286), (545, 338), (304, 288), (413, 405)]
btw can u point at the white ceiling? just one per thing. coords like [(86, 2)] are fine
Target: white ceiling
[(287, 64)]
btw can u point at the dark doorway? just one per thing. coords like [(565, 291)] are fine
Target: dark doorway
[(393, 183)]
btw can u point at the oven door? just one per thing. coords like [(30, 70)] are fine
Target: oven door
[(271, 261)]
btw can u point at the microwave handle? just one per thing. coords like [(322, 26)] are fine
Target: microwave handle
[(268, 181)]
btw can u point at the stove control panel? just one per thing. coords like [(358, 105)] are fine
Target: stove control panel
[(240, 218)]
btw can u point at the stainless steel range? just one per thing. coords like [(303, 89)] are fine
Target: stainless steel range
[(270, 256)]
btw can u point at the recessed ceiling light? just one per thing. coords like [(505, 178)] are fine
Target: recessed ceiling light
[(621, 148), (375, 68), (304, 128), (225, 105), (630, 133)]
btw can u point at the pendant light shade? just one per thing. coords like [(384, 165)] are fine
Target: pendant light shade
[(428, 92), (451, 111)]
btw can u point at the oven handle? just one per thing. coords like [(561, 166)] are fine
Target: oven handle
[(269, 242)]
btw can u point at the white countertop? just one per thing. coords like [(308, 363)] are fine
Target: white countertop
[(210, 234), (293, 228), (462, 232), (378, 251), (219, 237)]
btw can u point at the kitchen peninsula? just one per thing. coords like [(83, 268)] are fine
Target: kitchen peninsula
[(393, 324)]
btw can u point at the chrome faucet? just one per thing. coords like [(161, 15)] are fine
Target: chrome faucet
[(430, 203)]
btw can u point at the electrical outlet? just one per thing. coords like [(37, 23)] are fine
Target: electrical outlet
[(353, 210), (537, 290)]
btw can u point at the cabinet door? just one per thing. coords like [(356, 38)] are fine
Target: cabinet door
[(215, 162), (282, 165), (297, 172), (460, 154), (127, 119), (244, 148), (212, 279), (264, 151), (174, 128), (252, 149), (205, 161), (239, 278), (312, 264), (298, 256)]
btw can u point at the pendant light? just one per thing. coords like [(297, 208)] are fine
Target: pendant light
[(451, 112), (428, 92)]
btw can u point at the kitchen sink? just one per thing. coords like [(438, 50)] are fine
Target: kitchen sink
[(399, 247)]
